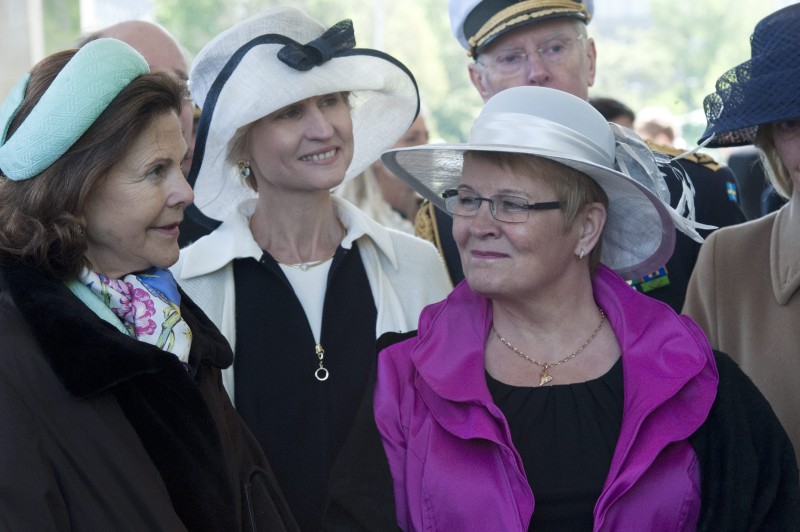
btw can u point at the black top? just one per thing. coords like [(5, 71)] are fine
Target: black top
[(301, 422), (748, 471), (566, 437)]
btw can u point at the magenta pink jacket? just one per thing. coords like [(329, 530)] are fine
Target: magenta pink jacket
[(450, 451)]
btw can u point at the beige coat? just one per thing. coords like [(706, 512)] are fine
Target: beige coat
[(743, 293)]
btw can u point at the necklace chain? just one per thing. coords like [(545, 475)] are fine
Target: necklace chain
[(305, 266), (544, 376)]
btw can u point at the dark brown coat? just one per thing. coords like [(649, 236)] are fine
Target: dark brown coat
[(99, 431)]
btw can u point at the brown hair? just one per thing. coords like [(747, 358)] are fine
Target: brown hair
[(573, 189), (777, 172), (41, 216)]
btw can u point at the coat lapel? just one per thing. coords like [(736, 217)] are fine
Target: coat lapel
[(157, 394)]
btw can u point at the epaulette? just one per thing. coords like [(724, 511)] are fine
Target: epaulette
[(425, 225), (698, 158)]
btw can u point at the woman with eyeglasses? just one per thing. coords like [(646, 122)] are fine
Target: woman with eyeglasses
[(545, 393), (300, 282)]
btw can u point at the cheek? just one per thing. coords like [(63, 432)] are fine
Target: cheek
[(460, 230), (788, 149)]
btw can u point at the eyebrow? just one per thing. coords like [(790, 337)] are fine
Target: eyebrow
[(500, 192), (512, 46)]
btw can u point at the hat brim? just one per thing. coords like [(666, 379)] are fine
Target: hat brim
[(254, 83), (742, 103), (634, 213), (761, 90)]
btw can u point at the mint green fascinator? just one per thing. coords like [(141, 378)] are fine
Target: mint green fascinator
[(83, 89)]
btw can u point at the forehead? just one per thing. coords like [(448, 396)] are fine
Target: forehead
[(535, 32), (159, 49), (485, 172)]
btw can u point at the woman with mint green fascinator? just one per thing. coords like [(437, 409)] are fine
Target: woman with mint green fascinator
[(113, 412)]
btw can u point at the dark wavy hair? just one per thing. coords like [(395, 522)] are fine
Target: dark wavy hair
[(40, 218)]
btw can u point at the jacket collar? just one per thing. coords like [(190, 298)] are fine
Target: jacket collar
[(88, 354), (670, 378), (785, 253), (234, 240)]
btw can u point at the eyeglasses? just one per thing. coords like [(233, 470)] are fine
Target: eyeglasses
[(512, 60), (511, 209)]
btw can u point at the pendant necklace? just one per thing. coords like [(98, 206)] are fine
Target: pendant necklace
[(305, 266), (544, 376)]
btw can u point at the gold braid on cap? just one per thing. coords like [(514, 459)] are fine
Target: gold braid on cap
[(517, 13)]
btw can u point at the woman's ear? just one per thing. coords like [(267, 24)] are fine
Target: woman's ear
[(590, 223)]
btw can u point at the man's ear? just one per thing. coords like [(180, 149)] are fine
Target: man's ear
[(591, 52), (477, 74)]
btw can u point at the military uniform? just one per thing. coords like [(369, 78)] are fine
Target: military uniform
[(716, 203)]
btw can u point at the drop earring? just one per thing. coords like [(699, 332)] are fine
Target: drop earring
[(244, 168), (580, 255)]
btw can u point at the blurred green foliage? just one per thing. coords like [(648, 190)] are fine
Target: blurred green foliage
[(669, 58)]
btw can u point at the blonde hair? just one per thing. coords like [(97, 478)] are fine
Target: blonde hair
[(776, 171)]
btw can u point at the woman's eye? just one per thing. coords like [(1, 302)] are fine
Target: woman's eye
[(468, 201), (156, 170), (789, 125), (512, 206), (291, 112)]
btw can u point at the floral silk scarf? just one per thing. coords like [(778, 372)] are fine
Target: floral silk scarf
[(148, 303)]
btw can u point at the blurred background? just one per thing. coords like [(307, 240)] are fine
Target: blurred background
[(651, 53)]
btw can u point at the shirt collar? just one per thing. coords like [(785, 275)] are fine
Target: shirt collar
[(234, 240)]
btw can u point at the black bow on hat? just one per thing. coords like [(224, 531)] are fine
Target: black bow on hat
[(338, 37)]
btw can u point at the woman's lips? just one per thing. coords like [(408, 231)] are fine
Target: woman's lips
[(170, 229), (488, 255)]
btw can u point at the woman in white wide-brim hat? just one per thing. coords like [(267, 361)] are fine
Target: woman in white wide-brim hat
[(299, 281), (545, 375)]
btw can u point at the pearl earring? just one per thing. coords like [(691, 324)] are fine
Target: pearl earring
[(244, 168)]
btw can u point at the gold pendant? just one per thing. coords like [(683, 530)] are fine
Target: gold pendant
[(544, 377)]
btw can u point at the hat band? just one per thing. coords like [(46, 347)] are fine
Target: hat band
[(83, 89), (520, 12), (541, 136)]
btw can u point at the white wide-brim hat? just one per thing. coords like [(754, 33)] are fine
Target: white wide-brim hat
[(639, 234), (238, 78)]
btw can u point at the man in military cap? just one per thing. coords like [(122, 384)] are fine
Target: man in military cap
[(545, 43)]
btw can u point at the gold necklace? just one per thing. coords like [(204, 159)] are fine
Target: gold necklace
[(305, 266), (545, 377)]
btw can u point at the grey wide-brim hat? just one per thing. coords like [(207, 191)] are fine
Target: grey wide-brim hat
[(276, 58), (639, 234)]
